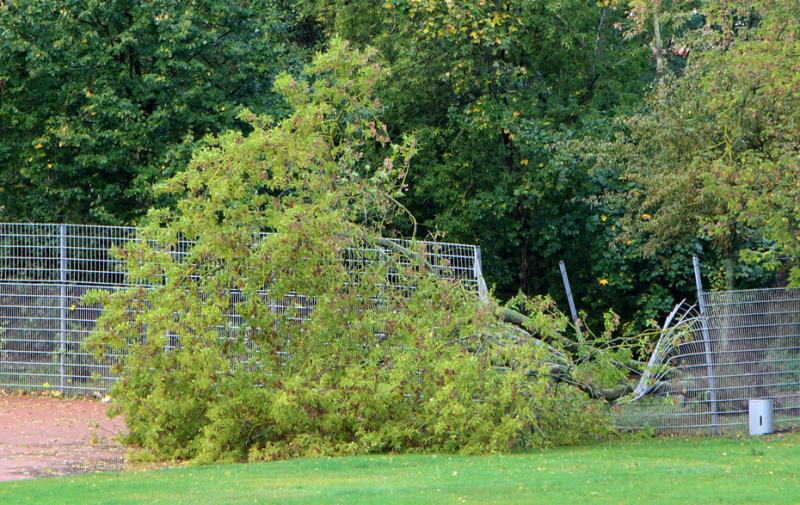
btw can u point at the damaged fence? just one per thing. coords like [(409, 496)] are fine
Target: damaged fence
[(710, 360), (46, 269), (714, 357)]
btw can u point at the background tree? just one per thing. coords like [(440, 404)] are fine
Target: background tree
[(714, 155), (501, 96), (514, 108), (487, 87), (98, 100)]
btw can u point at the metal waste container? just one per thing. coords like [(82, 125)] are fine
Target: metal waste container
[(761, 416)]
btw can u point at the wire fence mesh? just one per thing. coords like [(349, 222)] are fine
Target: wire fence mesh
[(744, 345), (706, 367), (46, 269)]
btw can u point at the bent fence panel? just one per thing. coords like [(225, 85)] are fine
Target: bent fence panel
[(46, 269), (753, 352)]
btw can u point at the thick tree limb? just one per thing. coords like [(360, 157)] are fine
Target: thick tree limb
[(512, 316), (403, 251), (563, 373)]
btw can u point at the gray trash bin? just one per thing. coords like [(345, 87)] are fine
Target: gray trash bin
[(761, 416)]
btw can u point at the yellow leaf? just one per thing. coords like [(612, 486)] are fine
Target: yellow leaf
[(603, 282), (46, 385), (523, 162), (73, 307), (646, 216)]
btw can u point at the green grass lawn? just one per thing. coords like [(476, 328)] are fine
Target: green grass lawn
[(663, 471)]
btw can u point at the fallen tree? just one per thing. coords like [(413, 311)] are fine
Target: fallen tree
[(562, 347), (322, 337)]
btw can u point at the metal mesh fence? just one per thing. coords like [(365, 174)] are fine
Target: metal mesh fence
[(62, 254), (44, 327), (71, 468), (744, 345), (45, 270)]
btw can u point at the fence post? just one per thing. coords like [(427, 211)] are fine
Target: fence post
[(63, 271), (707, 346), (570, 300), (483, 290)]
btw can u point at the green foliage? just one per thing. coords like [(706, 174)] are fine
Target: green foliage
[(414, 364), (714, 156), (640, 283), (493, 91), (513, 107), (99, 100)]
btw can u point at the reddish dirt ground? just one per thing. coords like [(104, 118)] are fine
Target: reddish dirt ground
[(42, 436)]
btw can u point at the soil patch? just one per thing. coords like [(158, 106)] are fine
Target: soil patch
[(41, 436)]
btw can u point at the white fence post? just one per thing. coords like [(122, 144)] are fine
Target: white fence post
[(63, 298), (571, 302), (712, 390)]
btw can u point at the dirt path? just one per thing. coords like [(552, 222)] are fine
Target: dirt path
[(49, 436)]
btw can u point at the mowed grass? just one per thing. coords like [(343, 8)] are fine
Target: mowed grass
[(662, 470)]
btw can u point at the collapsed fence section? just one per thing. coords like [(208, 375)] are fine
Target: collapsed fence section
[(744, 345), (46, 269)]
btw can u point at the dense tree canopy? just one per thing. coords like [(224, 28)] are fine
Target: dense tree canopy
[(100, 99), (621, 136), (499, 94), (488, 87), (715, 153)]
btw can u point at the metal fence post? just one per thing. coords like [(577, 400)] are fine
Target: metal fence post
[(483, 290), (707, 346), (63, 298), (570, 300)]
